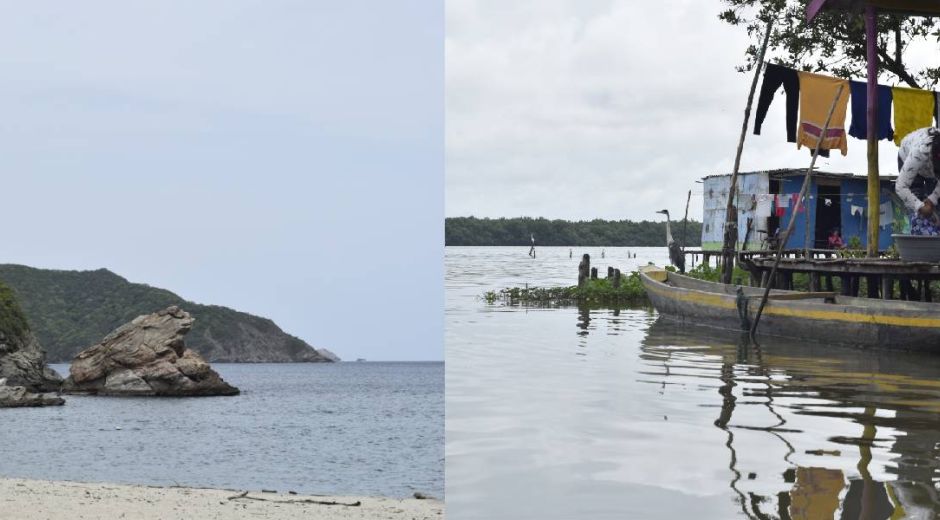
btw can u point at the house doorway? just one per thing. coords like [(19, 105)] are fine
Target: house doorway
[(773, 221), (828, 213)]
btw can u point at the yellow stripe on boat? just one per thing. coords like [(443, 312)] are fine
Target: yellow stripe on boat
[(726, 302)]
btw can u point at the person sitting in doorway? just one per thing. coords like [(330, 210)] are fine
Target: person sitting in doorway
[(835, 239), (918, 163)]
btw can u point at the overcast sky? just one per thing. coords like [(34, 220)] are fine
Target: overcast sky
[(582, 109), (283, 158)]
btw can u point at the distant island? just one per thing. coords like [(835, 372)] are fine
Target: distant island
[(471, 231), (69, 311)]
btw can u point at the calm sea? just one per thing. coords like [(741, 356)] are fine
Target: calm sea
[(570, 413), (331, 428)]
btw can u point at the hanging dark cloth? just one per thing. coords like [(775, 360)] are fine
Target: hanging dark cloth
[(859, 127), (774, 76), (936, 108)]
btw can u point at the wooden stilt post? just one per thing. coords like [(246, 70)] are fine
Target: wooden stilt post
[(685, 219), (874, 187)]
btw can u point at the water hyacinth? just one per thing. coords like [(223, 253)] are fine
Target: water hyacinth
[(597, 292)]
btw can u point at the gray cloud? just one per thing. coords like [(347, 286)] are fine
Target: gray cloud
[(279, 157), (605, 109)]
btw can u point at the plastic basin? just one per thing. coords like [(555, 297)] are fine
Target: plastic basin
[(918, 248)]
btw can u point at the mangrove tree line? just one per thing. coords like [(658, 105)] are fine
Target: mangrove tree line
[(471, 231)]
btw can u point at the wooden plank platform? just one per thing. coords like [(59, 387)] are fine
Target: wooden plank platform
[(881, 275)]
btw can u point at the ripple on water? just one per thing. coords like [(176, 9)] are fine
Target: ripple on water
[(314, 428), (568, 413)]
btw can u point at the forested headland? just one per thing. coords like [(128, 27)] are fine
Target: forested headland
[(471, 231), (71, 310)]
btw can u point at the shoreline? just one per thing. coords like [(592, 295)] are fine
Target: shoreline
[(30, 499)]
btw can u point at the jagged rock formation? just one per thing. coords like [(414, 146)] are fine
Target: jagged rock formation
[(146, 357), (23, 363), (22, 360), (69, 310), (17, 396)]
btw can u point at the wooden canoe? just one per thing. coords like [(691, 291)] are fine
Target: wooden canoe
[(817, 317)]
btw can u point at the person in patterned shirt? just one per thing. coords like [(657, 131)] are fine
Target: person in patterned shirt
[(919, 163)]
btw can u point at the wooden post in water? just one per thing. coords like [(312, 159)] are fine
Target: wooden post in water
[(616, 282), (610, 271), (584, 269), (593, 273)]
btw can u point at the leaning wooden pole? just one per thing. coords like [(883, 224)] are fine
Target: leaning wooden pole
[(806, 219), (874, 188), (685, 219), (731, 215), (799, 200)]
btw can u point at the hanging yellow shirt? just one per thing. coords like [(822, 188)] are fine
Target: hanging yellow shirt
[(816, 95), (913, 109)]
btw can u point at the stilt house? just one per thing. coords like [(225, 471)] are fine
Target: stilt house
[(767, 201)]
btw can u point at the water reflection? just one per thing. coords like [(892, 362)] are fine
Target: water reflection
[(561, 413), (584, 320), (891, 398)]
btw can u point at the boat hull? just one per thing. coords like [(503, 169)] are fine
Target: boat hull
[(838, 319)]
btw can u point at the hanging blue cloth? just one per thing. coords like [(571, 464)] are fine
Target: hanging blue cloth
[(859, 127)]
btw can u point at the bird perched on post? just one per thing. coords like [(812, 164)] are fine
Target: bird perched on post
[(675, 252)]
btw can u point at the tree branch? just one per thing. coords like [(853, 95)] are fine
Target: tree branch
[(896, 68)]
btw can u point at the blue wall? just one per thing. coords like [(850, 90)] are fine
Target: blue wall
[(858, 226), (853, 193), (790, 185)]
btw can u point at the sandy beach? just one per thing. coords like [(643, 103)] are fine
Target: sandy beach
[(23, 499)]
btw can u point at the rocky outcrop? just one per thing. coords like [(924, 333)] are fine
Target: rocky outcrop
[(146, 357), (18, 396), (22, 360), (23, 363)]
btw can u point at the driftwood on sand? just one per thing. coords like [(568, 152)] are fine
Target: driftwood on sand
[(244, 496)]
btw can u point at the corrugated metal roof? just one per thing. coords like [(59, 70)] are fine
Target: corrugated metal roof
[(799, 172)]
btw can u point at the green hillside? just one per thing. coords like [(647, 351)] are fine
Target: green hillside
[(13, 324), (71, 310)]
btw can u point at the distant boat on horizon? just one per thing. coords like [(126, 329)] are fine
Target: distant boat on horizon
[(360, 360)]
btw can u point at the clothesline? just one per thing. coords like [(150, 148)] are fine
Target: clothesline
[(813, 94), (827, 195), (850, 194), (772, 204)]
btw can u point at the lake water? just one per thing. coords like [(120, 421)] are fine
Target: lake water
[(572, 413), (326, 428)]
